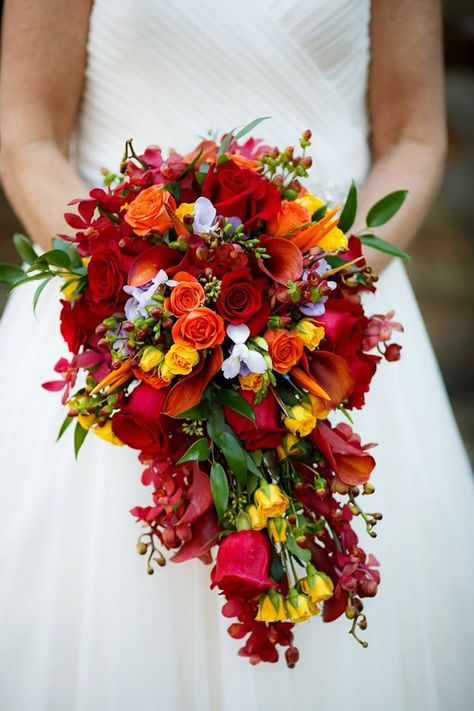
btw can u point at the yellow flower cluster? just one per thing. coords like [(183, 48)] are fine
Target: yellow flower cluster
[(179, 360), (296, 606), (302, 418), (270, 504), (104, 431), (309, 333)]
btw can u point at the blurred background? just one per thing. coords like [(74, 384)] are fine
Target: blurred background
[(442, 264)]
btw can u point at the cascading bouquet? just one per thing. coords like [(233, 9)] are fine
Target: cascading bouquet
[(212, 307)]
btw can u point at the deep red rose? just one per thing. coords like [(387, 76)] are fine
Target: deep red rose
[(240, 296), (242, 564), (345, 324), (266, 432), (78, 324), (239, 192), (106, 279), (140, 423)]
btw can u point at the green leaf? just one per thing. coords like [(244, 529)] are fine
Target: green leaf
[(249, 127), (27, 279), (225, 143), (79, 436), (39, 291), (235, 402), (58, 258), (234, 455), (198, 412), (304, 554), (198, 451), (386, 208), (276, 570), (66, 423), (68, 247), (219, 488), (383, 246), (10, 273), (251, 466), (349, 210), (24, 248)]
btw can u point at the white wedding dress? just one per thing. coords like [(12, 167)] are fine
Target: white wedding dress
[(82, 626)]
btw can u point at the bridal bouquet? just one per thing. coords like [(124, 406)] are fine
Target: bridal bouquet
[(212, 308)]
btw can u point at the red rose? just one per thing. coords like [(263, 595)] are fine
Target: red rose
[(78, 324), (239, 192), (240, 297), (140, 422), (242, 563), (345, 324), (105, 279), (266, 432)]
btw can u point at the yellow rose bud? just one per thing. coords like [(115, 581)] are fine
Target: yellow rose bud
[(86, 421), (311, 202), (287, 446), (271, 607), (309, 333), (257, 521), (186, 208), (298, 606), (106, 433), (300, 421), (71, 283), (318, 406), (180, 360), (277, 528), (271, 501), (335, 239), (151, 357), (317, 585), (252, 382)]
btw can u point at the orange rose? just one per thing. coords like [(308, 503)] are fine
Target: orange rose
[(186, 296), (148, 211), (285, 348), (201, 328), (290, 216)]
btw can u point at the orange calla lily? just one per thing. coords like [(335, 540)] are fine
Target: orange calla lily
[(309, 237), (331, 372), (147, 265), (307, 382), (286, 261), (188, 391)]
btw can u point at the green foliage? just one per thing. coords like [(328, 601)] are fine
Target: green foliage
[(386, 208), (349, 210), (383, 246), (219, 488), (198, 451)]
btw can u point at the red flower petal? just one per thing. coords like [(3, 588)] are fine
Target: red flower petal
[(147, 265), (203, 538), (188, 392), (285, 263)]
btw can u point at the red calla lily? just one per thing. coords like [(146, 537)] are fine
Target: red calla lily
[(201, 497), (203, 532), (332, 373)]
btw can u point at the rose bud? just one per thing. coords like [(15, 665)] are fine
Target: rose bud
[(392, 352), (292, 655)]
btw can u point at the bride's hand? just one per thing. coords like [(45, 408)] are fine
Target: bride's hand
[(407, 115), (43, 59)]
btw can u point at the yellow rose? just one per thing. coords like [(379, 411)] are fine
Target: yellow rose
[(257, 521), (311, 202), (186, 208), (335, 239), (309, 333), (317, 585), (106, 433), (180, 360), (151, 357), (288, 442), (86, 421), (300, 420), (277, 528), (252, 381), (271, 607), (271, 501), (298, 607), (165, 372)]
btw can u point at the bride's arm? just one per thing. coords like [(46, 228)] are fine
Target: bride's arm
[(43, 58), (406, 105)]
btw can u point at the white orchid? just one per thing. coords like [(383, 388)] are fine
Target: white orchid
[(242, 355), (204, 215), (142, 296)]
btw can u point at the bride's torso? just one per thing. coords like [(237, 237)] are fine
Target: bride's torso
[(167, 72)]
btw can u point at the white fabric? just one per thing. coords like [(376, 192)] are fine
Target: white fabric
[(82, 627)]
